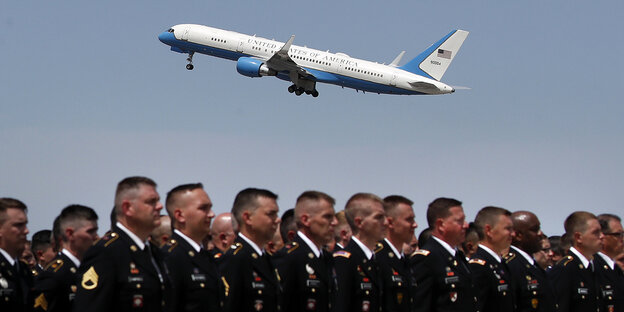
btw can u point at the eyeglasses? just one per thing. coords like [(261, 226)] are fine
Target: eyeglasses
[(616, 234)]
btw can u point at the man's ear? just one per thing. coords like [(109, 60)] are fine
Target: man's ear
[(246, 216), (69, 232), (390, 222), (439, 225), (126, 208), (179, 216)]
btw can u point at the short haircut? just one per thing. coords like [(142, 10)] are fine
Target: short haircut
[(604, 220), (247, 200), (129, 184), (287, 224), (556, 245), (56, 237), (342, 218), (72, 214), (359, 204), (393, 201), (7, 203), (440, 208), (174, 194), (577, 222), (41, 241), (423, 237), (488, 215), (314, 196)]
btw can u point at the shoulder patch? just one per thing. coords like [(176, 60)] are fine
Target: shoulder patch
[(237, 247), (477, 261), (110, 238), (421, 252), (292, 247), (41, 302), (342, 253)]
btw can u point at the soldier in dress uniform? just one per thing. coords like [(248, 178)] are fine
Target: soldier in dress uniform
[(573, 278), (55, 288), (490, 273), (15, 277), (609, 275), (249, 279), (358, 281), (393, 265), (530, 285), (440, 274), (193, 272), (342, 231), (222, 233), (123, 271), (303, 264), (42, 249)]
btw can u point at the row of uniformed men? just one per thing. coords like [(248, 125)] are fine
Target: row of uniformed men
[(123, 271)]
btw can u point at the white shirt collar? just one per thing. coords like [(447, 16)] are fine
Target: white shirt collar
[(446, 246), (367, 252), (580, 255), (133, 236), (396, 252), (71, 257), (253, 245), (312, 246), (191, 242), (7, 256), (608, 260), (491, 252), (524, 254)]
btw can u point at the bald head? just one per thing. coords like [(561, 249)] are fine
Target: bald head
[(222, 231), (527, 231)]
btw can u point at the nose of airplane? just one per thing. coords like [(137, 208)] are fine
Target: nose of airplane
[(166, 37)]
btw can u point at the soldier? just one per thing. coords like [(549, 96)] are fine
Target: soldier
[(15, 278), (223, 233), (161, 235), (342, 231), (123, 271), (55, 288), (304, 266), (490, 274), (193, 273), (42, 249), (573, 278), (609, 276), (530, 285), (442, 280), (357, 275), (394, 268), (250, 281)]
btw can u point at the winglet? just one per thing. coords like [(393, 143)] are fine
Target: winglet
[(396, 61)]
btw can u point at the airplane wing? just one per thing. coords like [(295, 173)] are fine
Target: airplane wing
[(281, 61)]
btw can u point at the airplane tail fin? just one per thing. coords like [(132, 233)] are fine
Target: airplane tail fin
[(434, 61)]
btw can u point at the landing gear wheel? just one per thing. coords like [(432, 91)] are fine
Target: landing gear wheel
[(291, 89), (315, 93), (189, 66), (298, 92)]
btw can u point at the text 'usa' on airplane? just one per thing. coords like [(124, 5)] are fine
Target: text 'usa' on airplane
[(304, 67)]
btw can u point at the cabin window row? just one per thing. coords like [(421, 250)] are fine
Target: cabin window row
[(218, 40), (311, 60), (364, 72)]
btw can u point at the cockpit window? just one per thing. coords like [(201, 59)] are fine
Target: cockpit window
[(170, 30)]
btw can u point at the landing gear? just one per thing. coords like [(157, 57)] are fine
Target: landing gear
[(300, 90), (190, 66)]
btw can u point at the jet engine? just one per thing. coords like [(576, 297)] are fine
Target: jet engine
[(252, 67)]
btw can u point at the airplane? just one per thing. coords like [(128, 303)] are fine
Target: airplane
[(304, 67)]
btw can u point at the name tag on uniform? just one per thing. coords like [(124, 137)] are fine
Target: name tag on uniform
[(502, 287), (6, 292), (451, 280), (583, 291), (607, 292), (135, 279), (397, 278), (366, 286), (313, 283), (198, 277), (255, 285)]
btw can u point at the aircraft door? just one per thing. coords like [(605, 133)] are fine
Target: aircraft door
[(185, 33), (241, 44)]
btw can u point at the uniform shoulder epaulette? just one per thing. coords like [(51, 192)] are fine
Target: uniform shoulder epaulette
[(217, 255), (110, 238), (34, 272), (342, 253), (236, 247), (565, 260), (292, 246), (420, 252), (508, 257), (55, 265), (171, 245), (379, 247), (477, 261)]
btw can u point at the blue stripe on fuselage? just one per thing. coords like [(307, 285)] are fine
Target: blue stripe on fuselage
[(319, 75)]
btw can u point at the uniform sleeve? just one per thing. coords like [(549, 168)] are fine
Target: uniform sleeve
[(173, 297), (286, 267), (481, 282), (96, 281), (44, 292), (343, 276), (561, 286), (422, 288), (232, 283)]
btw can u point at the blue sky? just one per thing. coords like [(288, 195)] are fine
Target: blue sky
[(90, 96)]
